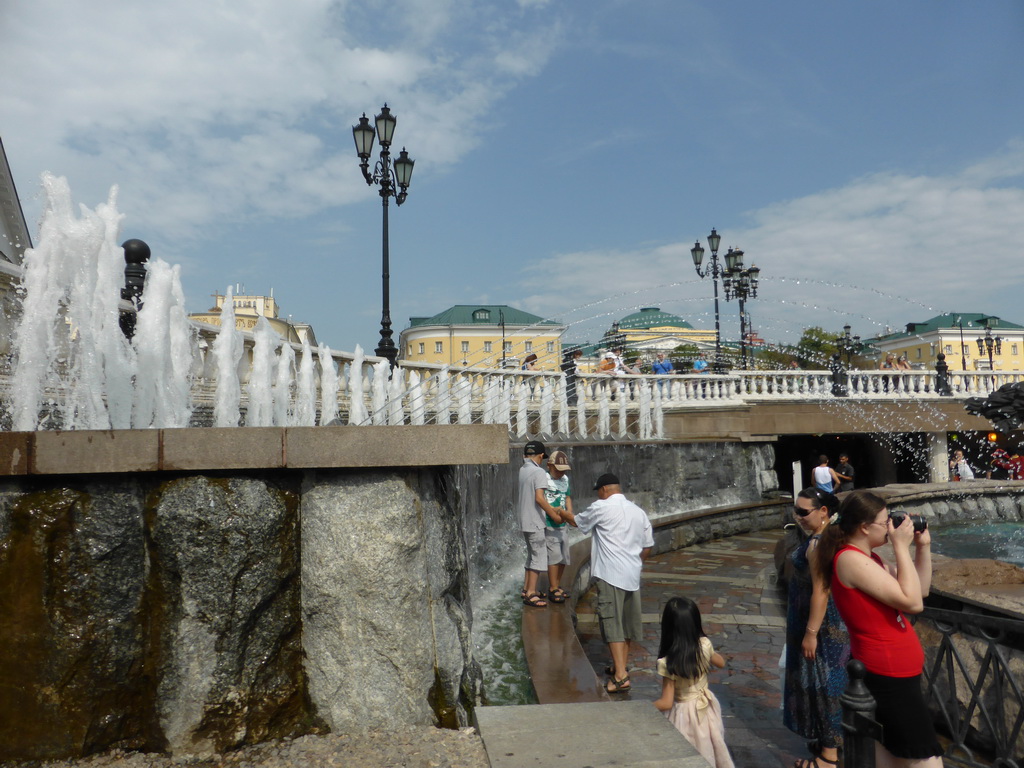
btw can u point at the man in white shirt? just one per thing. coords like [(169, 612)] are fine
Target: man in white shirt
[(622, 538)]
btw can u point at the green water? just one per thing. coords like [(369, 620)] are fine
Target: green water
[(981, 539)]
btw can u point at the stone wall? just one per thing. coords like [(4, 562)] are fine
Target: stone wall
[(175, 614), (193, 612)]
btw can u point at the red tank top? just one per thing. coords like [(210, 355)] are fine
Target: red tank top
[(880, 636)]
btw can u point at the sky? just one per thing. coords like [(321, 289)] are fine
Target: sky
[(867, 156)]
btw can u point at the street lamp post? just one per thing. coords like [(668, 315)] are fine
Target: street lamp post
[(740, 283), (990, 343), (714, 271), (393, 178), (849, 345)]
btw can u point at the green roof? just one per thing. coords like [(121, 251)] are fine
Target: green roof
[(482, 314), (950, 320), (652, 317)]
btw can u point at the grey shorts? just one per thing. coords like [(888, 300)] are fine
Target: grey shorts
[(557, 545), (536, 551), (619, 613)]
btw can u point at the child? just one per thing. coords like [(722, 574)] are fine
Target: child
[(559, 496), (684, 658)]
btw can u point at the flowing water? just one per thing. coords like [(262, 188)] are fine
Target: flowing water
[(981, 539)]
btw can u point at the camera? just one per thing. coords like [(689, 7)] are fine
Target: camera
[(899, 516)]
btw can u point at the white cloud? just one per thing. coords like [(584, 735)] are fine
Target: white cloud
[(884, 250), (218, 112)]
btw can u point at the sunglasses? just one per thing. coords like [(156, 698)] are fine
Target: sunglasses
[(800, 512)]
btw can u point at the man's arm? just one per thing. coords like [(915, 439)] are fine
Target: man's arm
[(542, 502)]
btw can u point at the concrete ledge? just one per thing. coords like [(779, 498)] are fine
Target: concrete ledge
[(628, 734), (94, 452), (249, 448), (15, 449), (222, 448), (398, 446)]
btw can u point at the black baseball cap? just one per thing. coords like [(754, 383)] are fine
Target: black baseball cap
[(535, 448), (606, 479)]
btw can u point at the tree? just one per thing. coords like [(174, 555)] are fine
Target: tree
[(816, 347)]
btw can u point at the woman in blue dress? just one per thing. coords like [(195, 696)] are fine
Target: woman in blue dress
[(817, 645)]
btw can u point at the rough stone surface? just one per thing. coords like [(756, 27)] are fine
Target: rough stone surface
[(72, 564), (384, 601), (225, 583)]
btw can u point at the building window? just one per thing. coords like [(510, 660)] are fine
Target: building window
[(410, 349), (949, 349), (507, 346), (481, 315), (1013, 349), (487, 346), (551, 347), (918, 353), (465, 346), (439, 346), (965, 350), (421, 347), (529, 346)]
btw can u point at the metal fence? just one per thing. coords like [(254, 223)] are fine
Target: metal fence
[(973, 677)]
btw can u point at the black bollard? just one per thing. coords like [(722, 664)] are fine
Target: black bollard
[(840, 387), (860, 731), (136, 254), (942, 377)]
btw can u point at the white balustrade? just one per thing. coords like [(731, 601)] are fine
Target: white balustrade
[(534, 403)]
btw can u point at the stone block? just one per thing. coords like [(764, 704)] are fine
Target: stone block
[(14, 453), (223, 448), (95, 451), (397, 446)]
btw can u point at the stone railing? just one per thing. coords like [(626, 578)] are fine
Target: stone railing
[(547, 403)]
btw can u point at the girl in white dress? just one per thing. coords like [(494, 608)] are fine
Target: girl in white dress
[(684, 658)]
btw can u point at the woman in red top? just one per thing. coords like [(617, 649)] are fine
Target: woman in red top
[(872, 599)]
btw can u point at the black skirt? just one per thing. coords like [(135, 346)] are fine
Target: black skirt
[(907, 728)]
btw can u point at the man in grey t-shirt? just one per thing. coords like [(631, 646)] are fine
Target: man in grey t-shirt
[(532, 506)]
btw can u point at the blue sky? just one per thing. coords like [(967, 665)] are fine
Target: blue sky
[(867, 156)]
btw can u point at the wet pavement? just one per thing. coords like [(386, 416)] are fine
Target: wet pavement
[(743, 613)]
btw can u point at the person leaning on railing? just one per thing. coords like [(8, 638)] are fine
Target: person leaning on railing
[(872, 599)]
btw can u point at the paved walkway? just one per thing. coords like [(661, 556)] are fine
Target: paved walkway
[(743, 613)]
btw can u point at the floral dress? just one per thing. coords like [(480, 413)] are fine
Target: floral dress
[(812, 688)]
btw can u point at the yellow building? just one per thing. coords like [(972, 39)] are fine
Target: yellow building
[(650, 330), (248, 310), (962, 339), (482, 335)]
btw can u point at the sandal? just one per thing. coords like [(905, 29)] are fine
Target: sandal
[(618, 686), (534, 600), (813, 762), (557, 595), (610, 670)]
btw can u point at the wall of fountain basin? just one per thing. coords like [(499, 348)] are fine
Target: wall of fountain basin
[(191, 591)]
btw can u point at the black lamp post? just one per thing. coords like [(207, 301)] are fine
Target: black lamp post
[(740, 283), (393, 179), (989, 343), (849, 345), (714, 270), (136, 254)]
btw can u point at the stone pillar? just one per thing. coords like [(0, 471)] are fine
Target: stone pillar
[(386, 628), (938, 457)]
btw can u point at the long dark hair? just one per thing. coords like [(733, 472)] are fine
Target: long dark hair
[(857, 509), (681, 632)]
